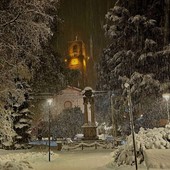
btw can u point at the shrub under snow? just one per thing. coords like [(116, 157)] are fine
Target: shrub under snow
[(24, 161), (157, 138)]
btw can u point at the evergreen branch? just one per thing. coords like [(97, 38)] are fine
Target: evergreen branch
[(13, 20)]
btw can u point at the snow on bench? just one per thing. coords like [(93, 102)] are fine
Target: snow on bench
[(157, 159)]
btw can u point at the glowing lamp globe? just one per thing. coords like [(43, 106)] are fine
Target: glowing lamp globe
[(49, 101), (126, 85), (166, 96)]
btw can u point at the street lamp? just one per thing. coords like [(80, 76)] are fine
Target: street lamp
[(166, 96), (113, 112), (127, 86), (49, 101)]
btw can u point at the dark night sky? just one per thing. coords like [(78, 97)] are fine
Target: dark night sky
[(85, 19)]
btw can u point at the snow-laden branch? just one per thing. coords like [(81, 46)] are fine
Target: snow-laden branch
[(13, 20)]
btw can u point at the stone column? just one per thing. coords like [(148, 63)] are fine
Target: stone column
[(85, 110), (92, 111)]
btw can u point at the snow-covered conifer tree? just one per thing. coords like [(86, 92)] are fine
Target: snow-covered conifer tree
[(25, 31), (135, 55), (21, 114)]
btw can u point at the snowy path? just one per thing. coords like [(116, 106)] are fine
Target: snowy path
[(65, 160), (76, 160), (62, 160)]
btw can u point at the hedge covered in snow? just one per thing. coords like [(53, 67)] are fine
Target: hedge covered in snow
[(24, 161), (157, 138)]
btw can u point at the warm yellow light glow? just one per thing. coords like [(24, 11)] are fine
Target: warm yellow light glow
[(127, 85), (49, 101), (84, 63), (74, 61), (65, 60), (166, 96)]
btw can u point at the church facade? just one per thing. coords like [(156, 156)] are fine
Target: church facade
[(68, 98)]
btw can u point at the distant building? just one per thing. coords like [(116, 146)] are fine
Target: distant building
[(77, 60), (68, 98)]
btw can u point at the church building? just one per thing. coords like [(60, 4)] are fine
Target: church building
[(68, 98)]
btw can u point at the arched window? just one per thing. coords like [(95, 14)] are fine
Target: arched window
[(75, 48), (67, 105)]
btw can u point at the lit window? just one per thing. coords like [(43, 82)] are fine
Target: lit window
[(75, 48)]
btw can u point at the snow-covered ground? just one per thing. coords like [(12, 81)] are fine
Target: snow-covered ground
[(22, 160), (61, 160), (88, 159), (157, 158)]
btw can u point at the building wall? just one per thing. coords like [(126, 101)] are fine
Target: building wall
[(69, 97)]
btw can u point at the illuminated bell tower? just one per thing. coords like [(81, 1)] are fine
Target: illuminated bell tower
[(77, 60)]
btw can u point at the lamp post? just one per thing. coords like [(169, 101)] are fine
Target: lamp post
[(127, 86), (49, 101), (166, 96), (113, 112)]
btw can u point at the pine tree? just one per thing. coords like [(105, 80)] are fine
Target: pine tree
[(135, 55), (18, 102)]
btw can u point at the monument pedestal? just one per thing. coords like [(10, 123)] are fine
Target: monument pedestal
[(90, 131)]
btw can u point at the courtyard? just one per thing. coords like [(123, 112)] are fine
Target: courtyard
[(60, 160)]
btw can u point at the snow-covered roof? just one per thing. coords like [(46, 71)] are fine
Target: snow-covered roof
[(73, 88), (23, 120), (25, 110), (20, 126)]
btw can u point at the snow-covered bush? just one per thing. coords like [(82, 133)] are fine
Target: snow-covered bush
[(103, 128), (67, 124), (24, 161), (157, 138)]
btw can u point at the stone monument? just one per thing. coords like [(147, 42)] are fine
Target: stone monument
[(89, 127)]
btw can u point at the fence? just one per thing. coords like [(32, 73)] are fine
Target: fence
[(84, 145)]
